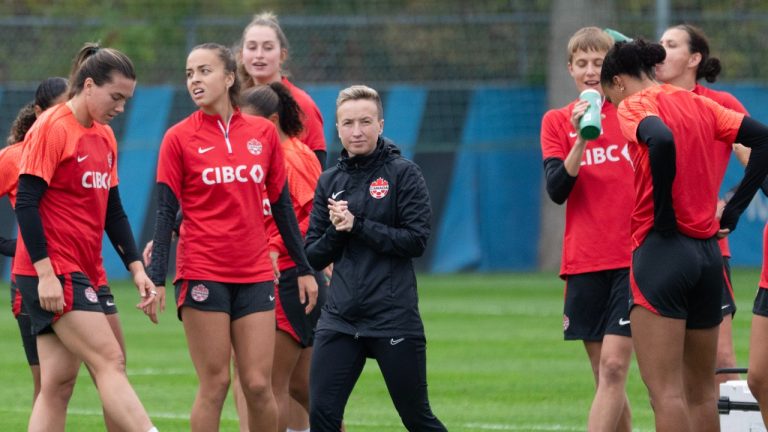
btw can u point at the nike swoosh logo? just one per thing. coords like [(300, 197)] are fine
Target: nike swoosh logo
[(110, 303), (724, 306), (335, 194), (271, 298), (623, 322), (394, 341), (81, 158), (204, 150), (573, 134)]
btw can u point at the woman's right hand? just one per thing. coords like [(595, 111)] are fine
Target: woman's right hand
[(51, 293), (147, 254)]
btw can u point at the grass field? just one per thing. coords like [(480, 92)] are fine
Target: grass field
[(496, 362)]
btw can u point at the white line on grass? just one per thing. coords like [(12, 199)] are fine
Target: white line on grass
[(467, 426)]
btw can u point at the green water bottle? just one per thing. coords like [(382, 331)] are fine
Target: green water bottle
[(590, 123), (617, 36)]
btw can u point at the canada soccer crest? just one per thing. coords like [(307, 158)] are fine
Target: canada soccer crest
[(379, 188), (254, 146), (199, 293), (91, 295)]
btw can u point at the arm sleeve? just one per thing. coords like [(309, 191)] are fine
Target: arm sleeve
[(119, 229), (661, 155), (322, 155), (286, 222), (409, 238), (7, 247), (167, 208), (177, 222), (323, 244), (755, 135), (30, 192), (559, 182)]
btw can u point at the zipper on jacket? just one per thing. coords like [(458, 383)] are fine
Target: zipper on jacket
[(357, 335), (226, 133)]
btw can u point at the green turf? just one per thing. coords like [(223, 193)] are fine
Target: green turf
[(496, 362)]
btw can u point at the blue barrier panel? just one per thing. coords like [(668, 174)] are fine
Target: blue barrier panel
[(403, 112), (491, 218), (746, 243), (325, 99), (146, 123)]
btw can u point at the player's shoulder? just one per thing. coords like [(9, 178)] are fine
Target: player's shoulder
[(559, 114)]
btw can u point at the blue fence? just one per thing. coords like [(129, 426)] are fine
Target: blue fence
[(484, 174)]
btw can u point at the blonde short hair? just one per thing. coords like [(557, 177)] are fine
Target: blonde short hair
[(589, 39), (357, 92)]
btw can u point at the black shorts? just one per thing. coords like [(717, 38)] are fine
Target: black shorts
[(761, 302), (107, 300), (596, 305), (78, 295), (28, 340), (289, 312), (728, 302), (236, 299), (680, 277)]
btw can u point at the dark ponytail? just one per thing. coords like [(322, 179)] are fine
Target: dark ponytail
[(48, 91), (636, 58), (709, 67), (98, 64), (273, 98)]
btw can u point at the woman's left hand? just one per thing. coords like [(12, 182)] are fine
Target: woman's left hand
[(308, 292)]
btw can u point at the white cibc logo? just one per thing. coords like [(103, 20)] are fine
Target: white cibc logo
[(95, 180), (230, 174), (599, 155)]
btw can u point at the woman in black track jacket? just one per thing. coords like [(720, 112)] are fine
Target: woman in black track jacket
[(370, 218)]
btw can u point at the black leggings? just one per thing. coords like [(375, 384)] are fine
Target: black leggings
[(338, 360)]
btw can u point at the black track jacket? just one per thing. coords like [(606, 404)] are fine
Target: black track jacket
[(373, 288)]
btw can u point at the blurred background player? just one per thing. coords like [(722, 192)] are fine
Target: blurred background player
[(676, 271), (295, 325), (370, 218), (687, 61), (262, 51), (50, 92), (224, 282), (595, 177), (67, 197)]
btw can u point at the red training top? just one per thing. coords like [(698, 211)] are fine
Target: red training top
[(729, 101), (312, 120), (80, 166), (218, 173), (302, 169), (703, 131), (598, 209)]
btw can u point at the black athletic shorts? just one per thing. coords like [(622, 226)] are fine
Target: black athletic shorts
[(236, 299), (289, 312), (28, 340), (728, 303), (677, 276), (761, 302), (107, 300), (596, 305), (78, 295)]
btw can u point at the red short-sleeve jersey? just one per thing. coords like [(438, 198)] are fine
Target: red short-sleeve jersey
[(219, 173), (10, 158), (764, 271), (729, 101), (302, 170), (79, 164), (703, 131), (312, 120), (599, 205)]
